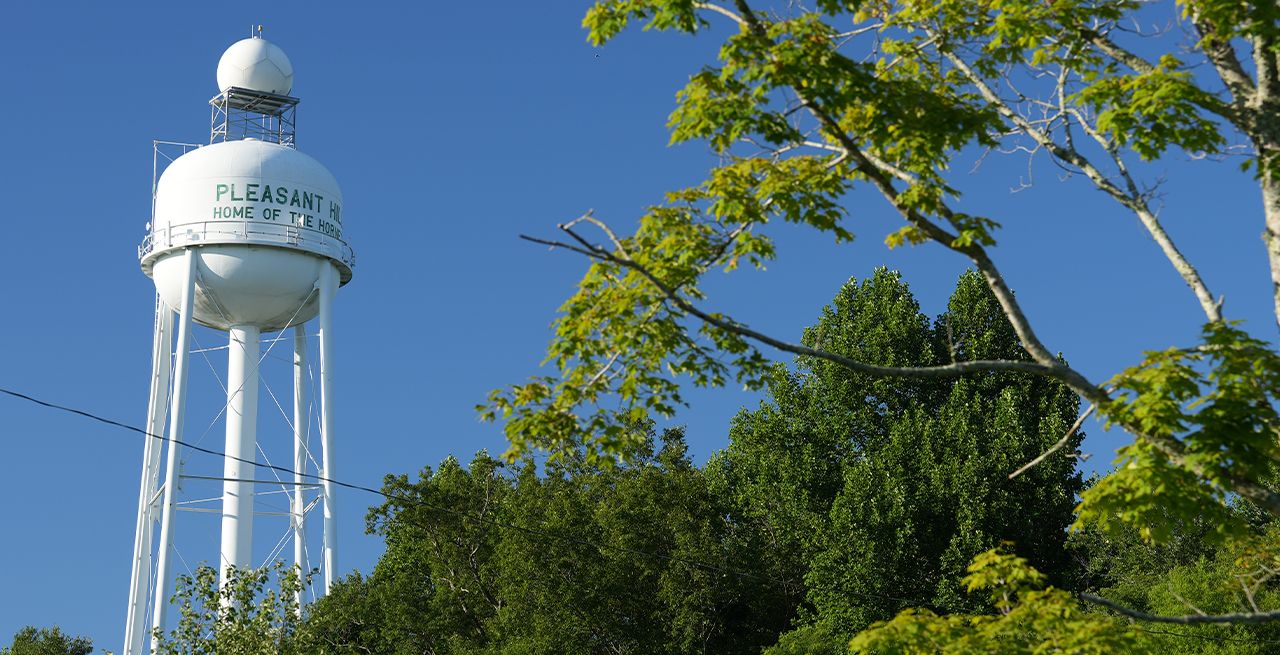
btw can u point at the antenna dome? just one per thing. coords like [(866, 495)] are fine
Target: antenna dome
[(255, 64)]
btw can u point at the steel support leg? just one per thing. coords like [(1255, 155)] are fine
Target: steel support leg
[(177, 413), (135, 627), (328, 287), (299, 451), (241, 450)]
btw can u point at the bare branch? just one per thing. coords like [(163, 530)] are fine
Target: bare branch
[(1172, 448), (1131, 199), (1057, 446), (1241, 617), (671, 295), (859, 31), (590, 218), (1113, 50), (722, 11)]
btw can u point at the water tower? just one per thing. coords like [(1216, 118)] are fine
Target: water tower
[(246, 237)]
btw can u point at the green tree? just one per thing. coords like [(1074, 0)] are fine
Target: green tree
[(245, 616), (491, 558), (1186, 571), (877, 492), (46, 641), (807, 102)]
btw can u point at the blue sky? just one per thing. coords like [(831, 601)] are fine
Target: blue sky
[(452, 128)]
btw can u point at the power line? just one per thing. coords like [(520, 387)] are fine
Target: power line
[(414, 501)]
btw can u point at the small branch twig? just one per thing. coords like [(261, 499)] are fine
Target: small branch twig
[(1239, 617), (1057, 446), (1131, 198)]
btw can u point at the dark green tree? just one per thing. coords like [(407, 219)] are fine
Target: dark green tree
[(1187, 570), (491, 558), (877, 492), (47, 641)]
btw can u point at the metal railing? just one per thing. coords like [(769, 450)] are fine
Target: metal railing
[(247, 232)]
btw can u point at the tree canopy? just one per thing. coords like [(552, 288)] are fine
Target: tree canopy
[(807, 102), (46, 641)]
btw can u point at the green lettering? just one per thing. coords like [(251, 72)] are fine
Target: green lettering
[(233, 195), (251, 192), (296, 202), (282, 196), (221, 190)]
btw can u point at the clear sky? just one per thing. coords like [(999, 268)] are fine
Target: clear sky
[(452, 128)]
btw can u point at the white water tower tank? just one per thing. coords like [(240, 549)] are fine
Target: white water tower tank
[(266, 218)]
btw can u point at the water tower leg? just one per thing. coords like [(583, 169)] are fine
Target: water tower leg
[(299, 450), (242, 442), (177, 414), (157, 409), (328, 287)]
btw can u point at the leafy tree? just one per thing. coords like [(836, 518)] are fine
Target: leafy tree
[(876, 492), (246, 616), (1186, 572), (636, 558), (807, 102), (46, 641)]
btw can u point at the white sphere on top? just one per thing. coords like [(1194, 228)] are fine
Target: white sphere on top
[(255, 64)]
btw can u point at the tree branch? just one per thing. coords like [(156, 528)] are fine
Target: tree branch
[(1223, 57), (1172, 448), (722, 11), (950, 370), (1057, 446), (1142, 66), (1190, 619), (1131, 199)]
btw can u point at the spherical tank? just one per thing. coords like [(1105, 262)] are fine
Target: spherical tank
[(264, 219), (257, 65)]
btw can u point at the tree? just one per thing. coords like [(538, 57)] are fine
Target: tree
[(877, 492), (46, 641), (244, 616), (801, 109), (493, 558), (1186, 570)]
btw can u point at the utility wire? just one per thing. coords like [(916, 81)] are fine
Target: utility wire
[(413, 501)]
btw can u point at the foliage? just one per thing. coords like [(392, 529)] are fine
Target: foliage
[(878, 469), (919, 95), (1030, 619), (496, 558), (46, 641), (1221, 397), (876, 492), (1187, 574), (813, 639), (246, 616)]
